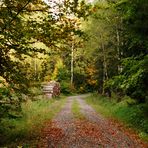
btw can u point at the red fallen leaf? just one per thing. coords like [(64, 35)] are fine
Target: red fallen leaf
[(113, 133)]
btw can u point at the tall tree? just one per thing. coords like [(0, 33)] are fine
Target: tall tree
[(132, 79), (103, 35)]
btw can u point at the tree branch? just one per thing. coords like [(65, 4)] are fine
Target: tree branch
[(15, 16)]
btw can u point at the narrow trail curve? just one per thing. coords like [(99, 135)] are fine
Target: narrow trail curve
[(95, 132)]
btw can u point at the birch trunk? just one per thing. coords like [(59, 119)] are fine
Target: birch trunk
[(72, 63)]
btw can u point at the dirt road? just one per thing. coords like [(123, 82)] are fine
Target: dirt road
[(94, 131)]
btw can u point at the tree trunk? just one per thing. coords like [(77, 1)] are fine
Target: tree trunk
[(72, 63), (119, 43), (118, 49), (105, 73), (106, 91)]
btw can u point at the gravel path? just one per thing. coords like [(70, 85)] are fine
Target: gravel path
[(93, 132)]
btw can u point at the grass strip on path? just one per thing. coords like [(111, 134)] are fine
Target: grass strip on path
[(76, 110)]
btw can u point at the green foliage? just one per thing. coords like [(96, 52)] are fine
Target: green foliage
[(102, 46), (36, 91), (9, 103), (80, 82), (135, 49), (129, 40), (127, 111), (133, 79), (14, 44), (66, 87), (62, 74)]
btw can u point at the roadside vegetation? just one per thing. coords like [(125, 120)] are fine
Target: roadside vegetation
[(130, 113), (26, 128)]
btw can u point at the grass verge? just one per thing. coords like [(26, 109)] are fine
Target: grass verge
[(134, 116), (76, 110), (34, 114)]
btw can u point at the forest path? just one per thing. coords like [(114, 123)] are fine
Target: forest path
[(94, 131)]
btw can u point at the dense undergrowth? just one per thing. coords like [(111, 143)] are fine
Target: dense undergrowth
[(128, 111), (22, 130)]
